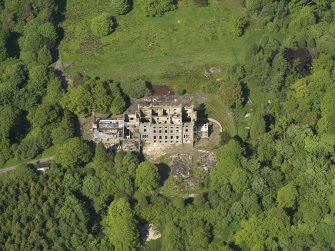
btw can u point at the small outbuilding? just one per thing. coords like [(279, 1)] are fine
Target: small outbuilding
[(43, 167)]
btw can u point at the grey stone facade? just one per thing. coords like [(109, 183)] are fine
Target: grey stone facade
[(152, 124)]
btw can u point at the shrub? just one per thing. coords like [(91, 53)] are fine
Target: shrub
[(136, 88), (239, 25), (102, 25), (231, 93), (154, 8), (120, 7)]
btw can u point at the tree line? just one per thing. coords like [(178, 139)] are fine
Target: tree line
[(273, 185)]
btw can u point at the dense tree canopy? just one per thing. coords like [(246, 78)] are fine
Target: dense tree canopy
[(73, 153), (272, 187), (94, 95)]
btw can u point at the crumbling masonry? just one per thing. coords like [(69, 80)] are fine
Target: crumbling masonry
[(150, 124)]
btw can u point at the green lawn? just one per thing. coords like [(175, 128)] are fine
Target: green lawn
[(190, 37), (216, 109)]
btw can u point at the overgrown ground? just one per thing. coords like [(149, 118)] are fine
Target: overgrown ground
[(174, 49)]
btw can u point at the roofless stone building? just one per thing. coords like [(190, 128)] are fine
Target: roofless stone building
[(150, 124)]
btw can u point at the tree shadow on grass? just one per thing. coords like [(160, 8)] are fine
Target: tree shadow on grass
[(164, 172)]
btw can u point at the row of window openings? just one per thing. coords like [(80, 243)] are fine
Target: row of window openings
[(166, 131), (186, 126), (171, 142), (145, 136), (160, 137)]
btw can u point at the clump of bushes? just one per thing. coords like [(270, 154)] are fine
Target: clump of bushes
[(239, 25), (102, 25), (154, 8), (120, 7), (136, 88)]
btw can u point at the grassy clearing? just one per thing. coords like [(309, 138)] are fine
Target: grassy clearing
[(188, 38), (218, 110)]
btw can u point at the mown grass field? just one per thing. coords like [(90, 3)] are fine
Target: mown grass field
[(173, 49)]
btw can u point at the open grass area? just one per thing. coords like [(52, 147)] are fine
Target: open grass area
[(218, 110), (190, 37)]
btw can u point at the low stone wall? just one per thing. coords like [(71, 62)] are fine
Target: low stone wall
[(216, 122)]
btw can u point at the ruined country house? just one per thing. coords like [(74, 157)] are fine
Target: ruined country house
[(155, 124)]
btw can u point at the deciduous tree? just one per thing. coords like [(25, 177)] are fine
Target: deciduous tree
[(231, 93), (147, 177), (287, 196), (73, 153), (120, 226), (135, 88)]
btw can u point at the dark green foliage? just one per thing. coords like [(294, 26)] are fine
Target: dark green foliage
[(239, 24), (120, 226), (45, 115), (102, 25), (59, 219), (3, 43), (73, 219), (91, 187), (120, 7), (147, 177), (64, 130), (73, 153), (44, 56), (136, 88), (231, 93), (229, 159), (10, 131), (172, 239), (37, 40), (272, 191), (154, 8), (94, 95), (118, 104)]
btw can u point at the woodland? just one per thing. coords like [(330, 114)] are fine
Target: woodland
[(273, 187)]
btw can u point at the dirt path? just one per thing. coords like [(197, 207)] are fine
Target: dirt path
[(7, 169), (58, 71)]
